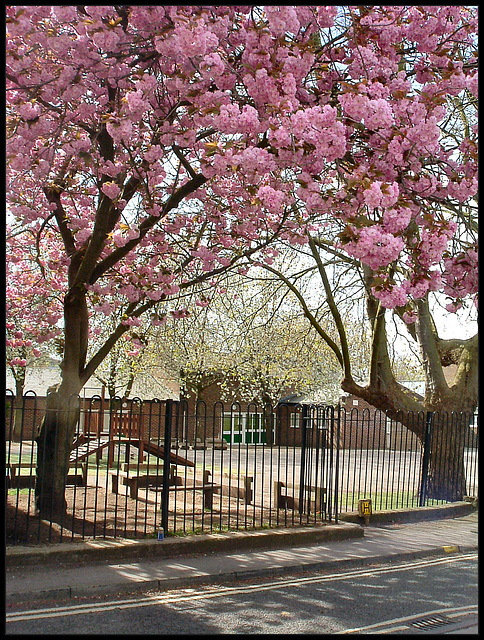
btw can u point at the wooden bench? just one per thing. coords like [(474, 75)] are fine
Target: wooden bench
[(180, 444), (285, 501), (216, 443), (239, 487), (136, 476), (208, 488), (18, 480)]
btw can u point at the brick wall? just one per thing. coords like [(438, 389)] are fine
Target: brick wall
[(362, 425), (32, 410), (205, 412), (365, 427)]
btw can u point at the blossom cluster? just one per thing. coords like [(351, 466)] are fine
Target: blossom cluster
[(158, 144), (374, 246), (461, 276)]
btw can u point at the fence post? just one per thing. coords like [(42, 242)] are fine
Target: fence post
[(304, 426), (336, 475), (165, 494), (425, 460)]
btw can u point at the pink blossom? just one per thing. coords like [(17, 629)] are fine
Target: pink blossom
[(29, 111), (326, 16), (409, 317), (180, 313), (453, 307), (267, 109), (433, 244), (119, 129), (397, 219), (271, 199), (111, 189), (136, 104), (375, 247), (473, 83), (461, 274), (381, 195), (373, 195), (379, 114), (106, 40), (392, 297), (155, 294), (52, 318), (18, 362), (131, 322), (463, 190), (281, 19), (419, 289)]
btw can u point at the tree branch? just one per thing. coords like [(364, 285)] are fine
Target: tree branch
[(329, 341), (380, 369), (333, 308), (120, 330), (53, 195), (147, 224), (428, 339)]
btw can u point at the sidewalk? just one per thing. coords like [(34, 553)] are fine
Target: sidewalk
[(71, 570)]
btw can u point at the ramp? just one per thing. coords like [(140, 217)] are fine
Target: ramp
[(81, 452), (159, 451)]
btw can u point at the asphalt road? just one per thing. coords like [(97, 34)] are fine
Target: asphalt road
[(434, 595)]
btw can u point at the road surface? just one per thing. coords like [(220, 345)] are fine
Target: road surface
[(433, 595)]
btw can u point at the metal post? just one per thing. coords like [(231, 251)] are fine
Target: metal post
[(425, 460), (336, 475), (304, 419), (165, 494)]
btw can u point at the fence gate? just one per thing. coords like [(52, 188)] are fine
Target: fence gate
[(317, 469)]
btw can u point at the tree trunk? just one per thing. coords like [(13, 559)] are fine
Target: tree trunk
[(54, 444), (444, 478), (57, 430), (448, 434), (18, 408)]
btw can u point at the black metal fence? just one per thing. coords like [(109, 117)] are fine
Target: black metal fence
[(225, 467), (137, 467), (383, 459)]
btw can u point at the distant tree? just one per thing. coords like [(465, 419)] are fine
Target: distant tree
[(376, 371), (30, 319), (249, 342)]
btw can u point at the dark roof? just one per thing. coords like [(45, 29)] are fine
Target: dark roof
[(292, 399)]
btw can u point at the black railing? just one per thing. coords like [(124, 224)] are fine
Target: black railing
[(406, 460), (136, 467)]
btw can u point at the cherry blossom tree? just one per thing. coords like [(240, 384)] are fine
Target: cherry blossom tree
[(155, 146), (407, 225), (32, 311)]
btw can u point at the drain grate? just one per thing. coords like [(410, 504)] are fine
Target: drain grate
[(429, 622)]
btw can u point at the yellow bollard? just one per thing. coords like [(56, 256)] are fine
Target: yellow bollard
[(364, 509)]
